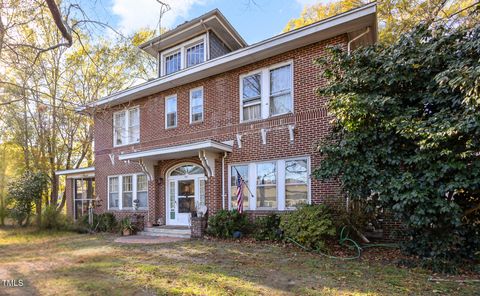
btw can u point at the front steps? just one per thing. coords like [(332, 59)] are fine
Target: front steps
[(167, 231)]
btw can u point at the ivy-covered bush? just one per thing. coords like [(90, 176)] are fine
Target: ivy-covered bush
[(309, 225), (224, 223), (407, 133), (267, 228)]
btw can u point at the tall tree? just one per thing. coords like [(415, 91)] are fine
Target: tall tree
[(395, 16)]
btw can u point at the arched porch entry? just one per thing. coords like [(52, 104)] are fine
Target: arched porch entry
[(185, 192)]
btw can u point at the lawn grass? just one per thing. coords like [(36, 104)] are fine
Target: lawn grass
[(64, 263)]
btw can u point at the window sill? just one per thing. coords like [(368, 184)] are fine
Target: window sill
[(125, 145), (196, 122), (265, 119), (170, 127)]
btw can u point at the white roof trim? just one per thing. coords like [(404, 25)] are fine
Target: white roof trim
[(204, 145), (75, 171), (240, 57)]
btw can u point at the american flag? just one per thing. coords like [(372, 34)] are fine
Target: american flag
[(240, 184)]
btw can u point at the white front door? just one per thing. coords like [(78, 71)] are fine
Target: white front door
[(184, 195)]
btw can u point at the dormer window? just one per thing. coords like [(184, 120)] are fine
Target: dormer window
[(173, 62), (187, 54), (195, 54)]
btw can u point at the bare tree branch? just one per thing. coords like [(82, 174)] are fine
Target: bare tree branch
[(57, 18)]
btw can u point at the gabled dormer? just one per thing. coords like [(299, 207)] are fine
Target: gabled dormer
[(191, 43)]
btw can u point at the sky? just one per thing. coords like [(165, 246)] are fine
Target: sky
[(255, 20)]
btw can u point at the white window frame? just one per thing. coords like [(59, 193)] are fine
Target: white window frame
[(120, 192), (191, 105), (281, 193), (169, 54), (265, 90), (126, 111), (182, 48), (176, 111)]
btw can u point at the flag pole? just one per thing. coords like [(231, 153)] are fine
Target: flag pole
[(243, 181)]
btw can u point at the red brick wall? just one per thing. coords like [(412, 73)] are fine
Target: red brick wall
[(221, 123)]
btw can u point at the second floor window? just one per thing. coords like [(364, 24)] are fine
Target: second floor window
[(252, 97), (196, 105), (126, 127), (173, 62), (171, 111), (268, 92), (195, 54)]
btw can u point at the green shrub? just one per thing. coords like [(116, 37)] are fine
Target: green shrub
[(309, 225), (53, 219), (267, 228), (224, 223)]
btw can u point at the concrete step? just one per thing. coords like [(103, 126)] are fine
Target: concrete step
[(182, 232)]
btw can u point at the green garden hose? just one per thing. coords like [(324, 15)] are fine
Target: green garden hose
[(344, 241)]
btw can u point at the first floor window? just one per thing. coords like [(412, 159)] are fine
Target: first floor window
[(243, 171), (142, 188), (84, 196), (113, 185), (271, 185), (171, 111), (127, 192), (296, 182), (124, 190), (267, 185)]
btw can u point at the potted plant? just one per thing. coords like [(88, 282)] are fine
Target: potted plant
[(127, 227)]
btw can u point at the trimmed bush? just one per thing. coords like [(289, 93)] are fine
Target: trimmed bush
[(267, 228), (224, 223), (309, 225)]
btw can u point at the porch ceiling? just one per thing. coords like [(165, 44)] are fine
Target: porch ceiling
[(179, 151)]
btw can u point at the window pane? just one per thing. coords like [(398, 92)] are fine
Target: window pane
[(196, 108), (195, 54), (266, 173), (120, 128), (266, 185), (252, 112), (127, 192), (251, 87), (113, 184), (280, 80), (280, 90), (134, 125), (172, 63), (296, 171), (280, 104), (202, 192), (142, 184), (295, 195), (243, 170), (171, 107), (142, 199), (113, 200)]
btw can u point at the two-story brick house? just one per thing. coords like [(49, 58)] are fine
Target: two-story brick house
[(173, 145)]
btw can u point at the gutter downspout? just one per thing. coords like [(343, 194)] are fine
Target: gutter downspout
[(349, 44), (223, 180)]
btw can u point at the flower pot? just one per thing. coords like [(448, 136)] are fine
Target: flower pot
[(149, 224), (127, 232)]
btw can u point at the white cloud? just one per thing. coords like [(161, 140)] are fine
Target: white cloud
[(136, 14)]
